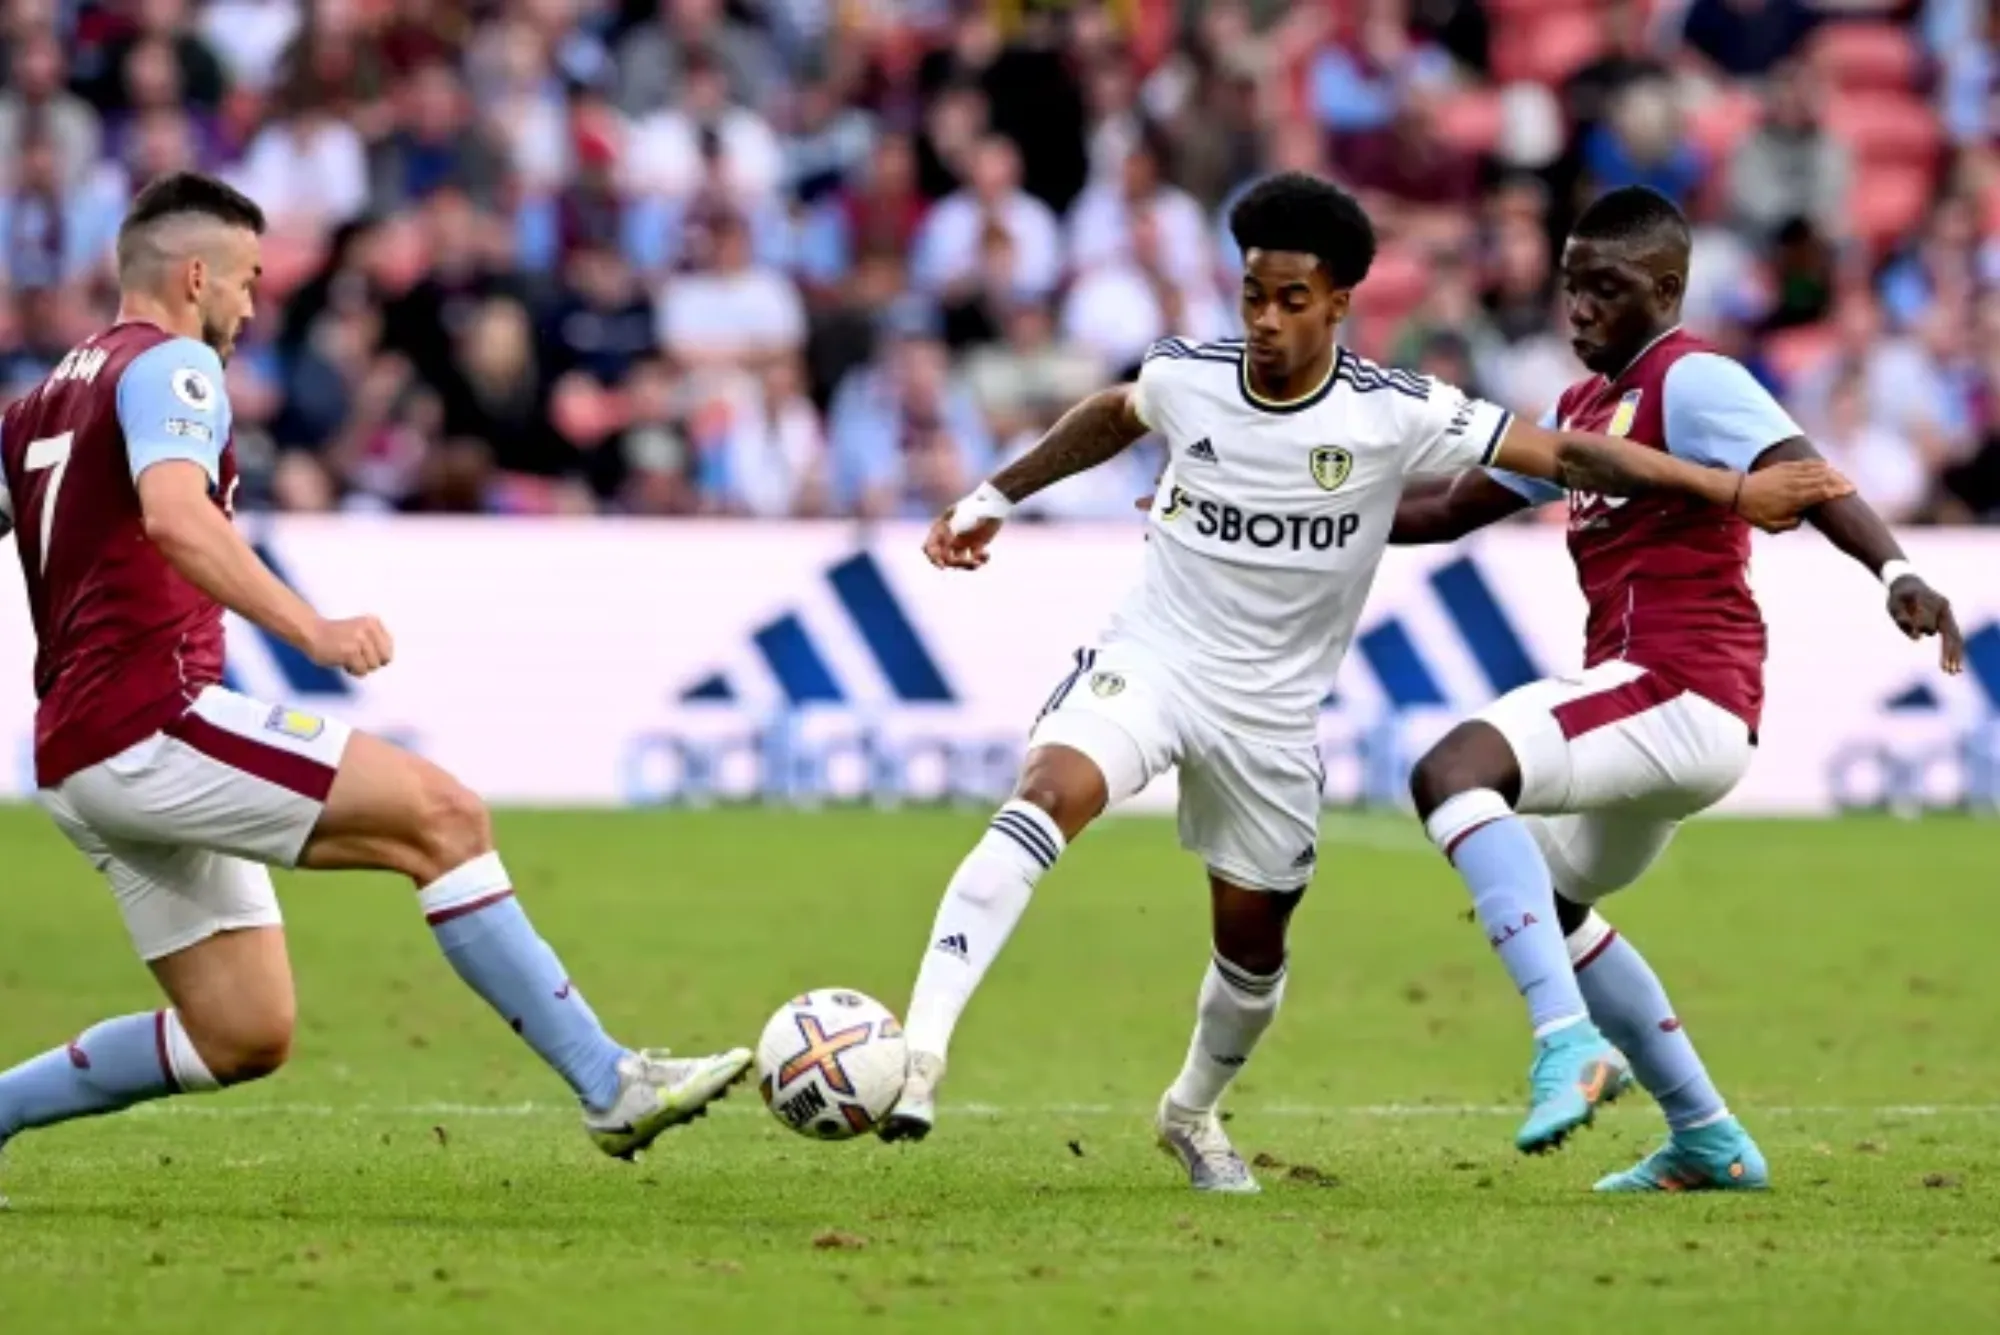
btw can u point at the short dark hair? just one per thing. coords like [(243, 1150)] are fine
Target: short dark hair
[(181, 193), (1307, 216), (1633, 213)]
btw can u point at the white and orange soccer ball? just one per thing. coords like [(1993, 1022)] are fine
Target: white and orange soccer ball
[(831, 1063)]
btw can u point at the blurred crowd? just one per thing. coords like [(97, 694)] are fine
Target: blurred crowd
[(839, 257)]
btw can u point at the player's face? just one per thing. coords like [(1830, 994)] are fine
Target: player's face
[(1290, 310), (1617, 303), (228, 289)]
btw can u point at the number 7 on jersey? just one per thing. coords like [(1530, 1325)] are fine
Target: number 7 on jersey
[(49, 455)]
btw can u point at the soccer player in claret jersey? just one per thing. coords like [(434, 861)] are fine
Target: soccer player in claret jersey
[(1287, 457), (1661, 722), (119, 475)]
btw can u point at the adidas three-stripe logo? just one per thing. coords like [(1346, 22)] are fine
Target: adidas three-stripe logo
[(1201, 452), (955, 944), (1032, 838), (1250, 984)]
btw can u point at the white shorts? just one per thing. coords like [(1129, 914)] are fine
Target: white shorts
[(184, 822), (1614, 759), (1248, 808)]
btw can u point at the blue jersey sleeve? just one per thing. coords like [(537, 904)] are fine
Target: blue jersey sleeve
[(1534, 490), (171, 405), (1717, 414)]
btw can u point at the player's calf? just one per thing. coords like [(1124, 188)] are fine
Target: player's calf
[(1628, 1003), (1060, 792), (1463, 788), (231, 1023), (391, 811)]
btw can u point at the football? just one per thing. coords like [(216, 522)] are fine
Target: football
[(831, 1063)]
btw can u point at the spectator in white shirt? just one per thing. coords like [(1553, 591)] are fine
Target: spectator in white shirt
[(308, 168), (1119, 307), (728, 310), (671, 149), (771, 462), (1101, 221), (949, 242), (1884, 465), (250, 36)]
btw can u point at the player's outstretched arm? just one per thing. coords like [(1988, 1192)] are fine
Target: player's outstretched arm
[(1095, 430), (1435, 510), (1851, 524), (198, 540), (1774, 499)]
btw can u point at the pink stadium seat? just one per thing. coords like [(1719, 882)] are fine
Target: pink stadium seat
[(1886, 127), (1888, 201), (1721, 121), (1868, 56), (1529, 9), (289, 259), (1795, 352), (1564, 42), (1470, 121), (1394, 284)]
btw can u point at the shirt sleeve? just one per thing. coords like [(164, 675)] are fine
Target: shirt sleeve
[(1535, 490), (1716, 413), (1444, 431), (171, 405), (1151, 391)]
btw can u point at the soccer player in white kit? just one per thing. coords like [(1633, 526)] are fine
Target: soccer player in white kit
[(1287, 456)]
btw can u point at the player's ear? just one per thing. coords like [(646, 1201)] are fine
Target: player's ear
[(1667, 289), (1337, 303), (195, 278)]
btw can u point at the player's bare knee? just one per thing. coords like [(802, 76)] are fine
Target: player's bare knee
[(246, 1047), (1250, 928), (1066, 786), (453, 828), (1472, 755)]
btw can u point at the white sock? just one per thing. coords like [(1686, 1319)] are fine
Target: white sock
[(191, 1073), (986, 897), (1236, 1007)]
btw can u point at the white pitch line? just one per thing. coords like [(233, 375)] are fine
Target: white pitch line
[(1375, 1111)]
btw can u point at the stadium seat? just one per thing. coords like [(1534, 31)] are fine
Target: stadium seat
[(1888, 200), (1867, 56), (290, 257), (1720, 121), (1470, 121), (1395, 284), (1795, 352), (1546, 47), (1500, 10), (1886, 127)]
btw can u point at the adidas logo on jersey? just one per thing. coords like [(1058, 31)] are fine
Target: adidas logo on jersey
[(1306, 858), (955, 944), (1201, 452)]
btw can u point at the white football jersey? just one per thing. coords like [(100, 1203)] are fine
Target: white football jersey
[(1271, 517)]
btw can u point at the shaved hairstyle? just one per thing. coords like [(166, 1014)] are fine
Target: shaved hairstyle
[(167, 218)]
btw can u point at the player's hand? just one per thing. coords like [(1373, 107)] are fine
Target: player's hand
[(949, 549), (1919, 611), (1776, 498), (356, 645)]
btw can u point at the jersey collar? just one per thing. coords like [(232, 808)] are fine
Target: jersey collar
[(1640, 355), (1298, 405)]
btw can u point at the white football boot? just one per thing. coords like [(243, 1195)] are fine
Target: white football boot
[(657, 1092), (1199, 1143), (916, 1111)]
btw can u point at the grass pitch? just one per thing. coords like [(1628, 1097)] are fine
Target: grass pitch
[(414, 1170)]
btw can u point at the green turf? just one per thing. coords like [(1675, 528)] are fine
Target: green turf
[(413, 1170)]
